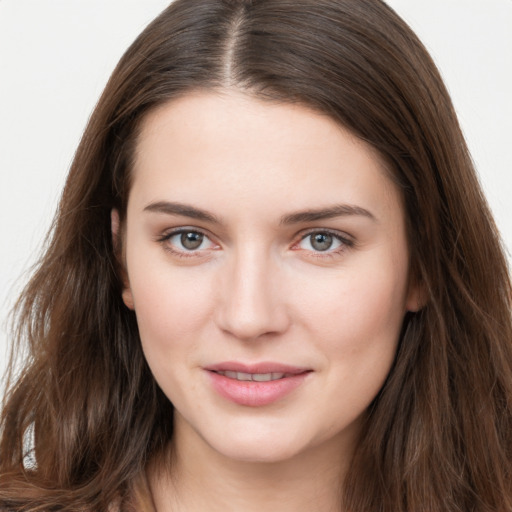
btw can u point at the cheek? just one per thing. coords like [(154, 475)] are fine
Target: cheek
[(171, 307), (172, 315), (357, 311), (356, 328)]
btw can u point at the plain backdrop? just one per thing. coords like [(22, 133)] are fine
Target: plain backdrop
[(56, 56)]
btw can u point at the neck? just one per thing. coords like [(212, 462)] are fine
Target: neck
[(197, 478)]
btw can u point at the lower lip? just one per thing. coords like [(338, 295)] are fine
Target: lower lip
[(255, 394)]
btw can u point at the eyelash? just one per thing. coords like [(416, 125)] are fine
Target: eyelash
[(164, 239), (345, 242)]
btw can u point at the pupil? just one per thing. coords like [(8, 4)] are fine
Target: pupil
[(191, 240), (321, 241)]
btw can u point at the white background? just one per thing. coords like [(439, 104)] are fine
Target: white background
[(56, 56)]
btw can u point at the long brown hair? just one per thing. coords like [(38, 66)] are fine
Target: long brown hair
[(84, 416)]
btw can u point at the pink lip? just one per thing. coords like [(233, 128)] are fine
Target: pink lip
[(251, 393), (264, 367)]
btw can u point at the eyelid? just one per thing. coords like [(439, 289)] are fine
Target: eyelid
[(168, 234), (346, 240)]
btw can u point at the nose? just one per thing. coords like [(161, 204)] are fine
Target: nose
[(251, 302)]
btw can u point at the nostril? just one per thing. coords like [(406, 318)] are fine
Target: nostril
[(249, 304)]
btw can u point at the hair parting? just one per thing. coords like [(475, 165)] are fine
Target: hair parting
[(439, 434)]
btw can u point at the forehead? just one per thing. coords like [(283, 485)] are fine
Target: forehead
[(229, 145)]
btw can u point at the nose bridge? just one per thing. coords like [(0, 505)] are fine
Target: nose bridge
[(251, 304)]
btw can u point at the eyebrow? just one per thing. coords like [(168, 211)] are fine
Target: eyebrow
[(330, 212), (186, 210)]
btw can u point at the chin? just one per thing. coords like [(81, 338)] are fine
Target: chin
[(259, 444), (262, 453)]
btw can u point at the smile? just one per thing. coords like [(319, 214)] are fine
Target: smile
[(256, 385), (255, 377)]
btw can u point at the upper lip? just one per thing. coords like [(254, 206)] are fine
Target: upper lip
[(256, 368)]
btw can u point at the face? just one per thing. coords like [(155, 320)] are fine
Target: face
[(267, 264)]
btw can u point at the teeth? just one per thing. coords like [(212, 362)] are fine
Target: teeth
[(265, 377), (256, 377)]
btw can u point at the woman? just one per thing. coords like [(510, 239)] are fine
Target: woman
[(273, 282)]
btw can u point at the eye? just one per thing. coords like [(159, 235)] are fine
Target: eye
[(187, 241), (323, 241), (190, 240)]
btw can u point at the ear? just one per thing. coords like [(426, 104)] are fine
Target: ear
[(117, 244), (416, 296)]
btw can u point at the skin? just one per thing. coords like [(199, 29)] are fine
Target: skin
[(258, 289)]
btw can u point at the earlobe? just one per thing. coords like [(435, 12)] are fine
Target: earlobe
[(128, 298), (416, 297), (117, 245)]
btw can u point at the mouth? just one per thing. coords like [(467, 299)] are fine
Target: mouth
[(254, 377), (255, 385)]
